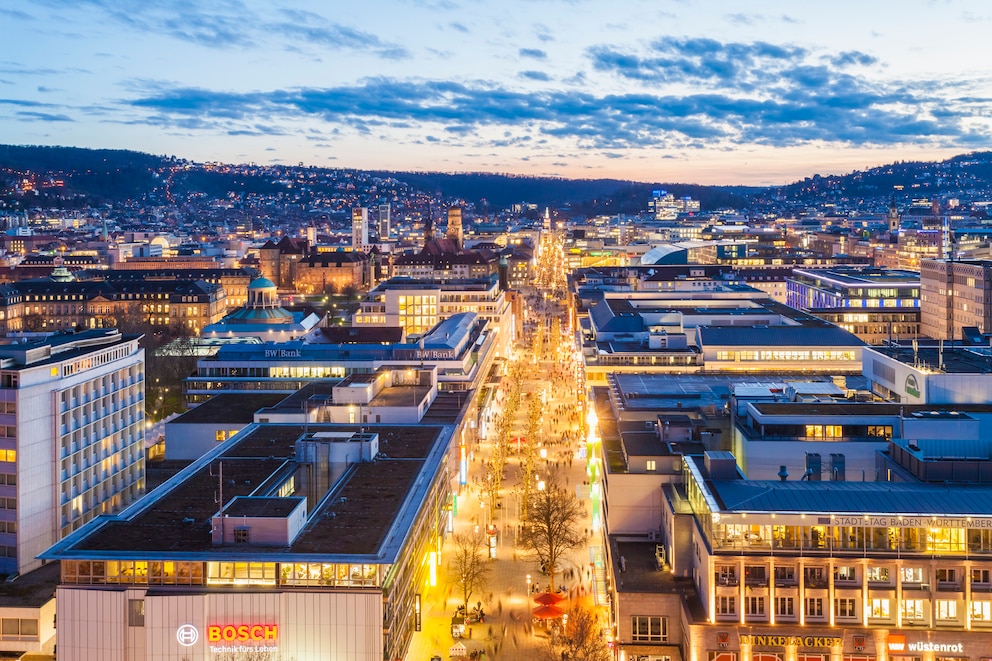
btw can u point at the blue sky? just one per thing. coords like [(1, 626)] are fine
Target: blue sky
[(703, 91)]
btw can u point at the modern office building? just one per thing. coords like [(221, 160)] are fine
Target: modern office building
[(955, 295), (930, 373), (73, 444), (874, 304), (360, 228), (385, 221), (416, 305), (295, 542)]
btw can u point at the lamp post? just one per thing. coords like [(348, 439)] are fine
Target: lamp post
[(528, 585)]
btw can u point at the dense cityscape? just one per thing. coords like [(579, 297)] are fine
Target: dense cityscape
[(267, 412)]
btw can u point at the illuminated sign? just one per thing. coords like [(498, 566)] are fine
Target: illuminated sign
[(187, 635), (784, 641), (283, 353), (243, 633), (897, 643)]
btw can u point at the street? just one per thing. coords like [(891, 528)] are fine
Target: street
[(509, 630)]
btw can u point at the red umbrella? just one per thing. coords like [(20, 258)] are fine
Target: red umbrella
[(548, 598), (548, 612)]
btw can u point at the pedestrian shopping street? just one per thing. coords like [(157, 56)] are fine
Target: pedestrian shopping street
[(509, 630)]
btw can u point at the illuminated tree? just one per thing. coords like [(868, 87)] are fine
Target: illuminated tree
[(469, 567), (577, 636), (552, 526)]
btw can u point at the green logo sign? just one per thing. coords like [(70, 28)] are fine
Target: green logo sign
[(912, 387)]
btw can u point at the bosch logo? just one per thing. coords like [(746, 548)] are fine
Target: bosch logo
[(187, 635)]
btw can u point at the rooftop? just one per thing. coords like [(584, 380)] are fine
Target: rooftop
[(225, 408), (840, 497), (365, 504)]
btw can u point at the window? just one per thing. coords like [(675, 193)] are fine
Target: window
[(726, 605), (652, 465), (844, 574), (980, 610), (814, 575), (649, 629), (912, 609), (784, 606), (242, 535), (845, 608), (912, 574), (219, 435), (785, 574), (879, 608), (878, 574), (757, 573), (980, 576), (12, 628), (754, 605), (726, 575), (947, 609), (814, 607), (946, 576), (136, 612)]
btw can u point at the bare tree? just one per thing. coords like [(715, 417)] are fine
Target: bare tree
[(577, 637), (552, 526), (469, 567)]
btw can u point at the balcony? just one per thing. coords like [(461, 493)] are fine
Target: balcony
[(730, 581)]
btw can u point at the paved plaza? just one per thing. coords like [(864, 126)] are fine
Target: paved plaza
[(509, 631)]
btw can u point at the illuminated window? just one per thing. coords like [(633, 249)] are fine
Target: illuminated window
[(877, 574), (879, 608), (912, 609), (947, 609), (652, 465), (911, 574), (726, 605), (981, 610)]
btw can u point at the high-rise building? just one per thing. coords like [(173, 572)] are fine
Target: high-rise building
[(384, 221), (954, 295), (455, 232), (359, 228), (78, 401)]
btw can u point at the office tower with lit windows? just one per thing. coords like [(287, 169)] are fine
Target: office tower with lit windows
[(384, 221), (73, 418), (359, 228)]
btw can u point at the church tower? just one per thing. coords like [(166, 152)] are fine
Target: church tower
[(894, 217)]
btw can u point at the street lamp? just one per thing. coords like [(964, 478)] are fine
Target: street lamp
[(528, 584)]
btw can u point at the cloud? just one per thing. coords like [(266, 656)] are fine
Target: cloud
[(234, 24), (803, 104), (852, 57), (535, 75), (455, 25), (34, 116), (534, 53)]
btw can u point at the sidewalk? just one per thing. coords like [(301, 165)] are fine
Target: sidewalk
[(508, 633)]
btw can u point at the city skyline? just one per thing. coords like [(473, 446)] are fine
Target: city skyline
[(672, 91)]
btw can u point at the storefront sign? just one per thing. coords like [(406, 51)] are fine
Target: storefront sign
[(897, 643), (283, 353), (242, 633), (785, 641), (907, 522)]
